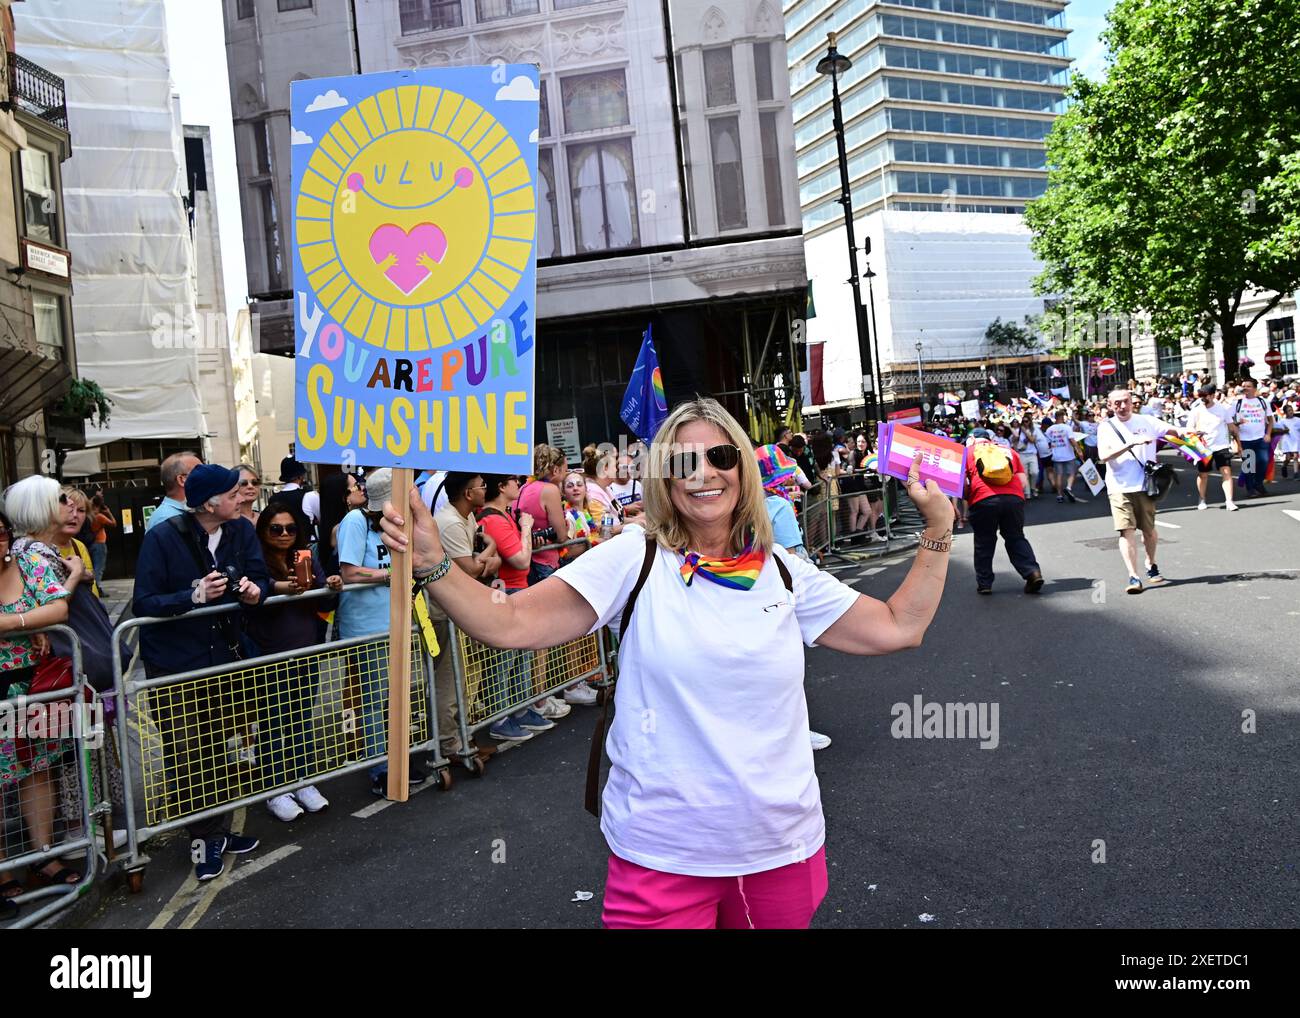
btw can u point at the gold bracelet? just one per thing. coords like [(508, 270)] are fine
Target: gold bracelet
[(943, 543)]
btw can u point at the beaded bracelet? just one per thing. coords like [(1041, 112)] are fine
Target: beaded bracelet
[(439, 571)]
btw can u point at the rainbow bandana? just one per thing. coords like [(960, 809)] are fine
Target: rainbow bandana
[(738, 573)]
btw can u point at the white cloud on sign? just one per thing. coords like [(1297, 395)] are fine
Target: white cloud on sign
[(301, 138), (330, 100), (520, 90)]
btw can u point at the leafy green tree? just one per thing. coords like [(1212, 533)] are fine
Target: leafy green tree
[(1174, 183), (1011, 337)]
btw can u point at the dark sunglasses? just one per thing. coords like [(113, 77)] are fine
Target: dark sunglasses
[(721, 457), (63, 498), (280, 529), (247, 483)]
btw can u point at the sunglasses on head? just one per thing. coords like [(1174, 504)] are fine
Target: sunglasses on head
[(721, 457), (280, 529)]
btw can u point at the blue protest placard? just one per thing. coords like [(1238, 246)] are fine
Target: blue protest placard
[(415, 267)]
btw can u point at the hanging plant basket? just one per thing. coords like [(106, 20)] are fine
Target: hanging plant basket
[(85, 401)]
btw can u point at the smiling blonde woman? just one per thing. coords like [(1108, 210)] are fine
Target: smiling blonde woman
[(712, 810)]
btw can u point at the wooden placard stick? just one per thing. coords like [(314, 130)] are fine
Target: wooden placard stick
[(399, 649)]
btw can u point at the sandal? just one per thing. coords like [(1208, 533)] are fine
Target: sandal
[(60, 876)]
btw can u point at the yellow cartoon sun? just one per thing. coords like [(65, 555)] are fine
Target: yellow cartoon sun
[(415, 218)]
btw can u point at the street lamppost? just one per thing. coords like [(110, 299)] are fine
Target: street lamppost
[(835, 63), (875, 331), (920, 385)]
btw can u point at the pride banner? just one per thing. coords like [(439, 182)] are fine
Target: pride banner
[(414, 197), (942, 460)]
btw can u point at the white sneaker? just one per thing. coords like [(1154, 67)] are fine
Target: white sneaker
[(554, 709), (819, 741), (580, 694), (310, 799), (1201, 506), (1231, 507), (284, 807)]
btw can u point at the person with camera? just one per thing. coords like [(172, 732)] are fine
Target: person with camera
[(1127, 445), (210, 555), (286, 705)]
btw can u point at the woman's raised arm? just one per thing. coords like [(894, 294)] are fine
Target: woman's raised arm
[(544, 615)]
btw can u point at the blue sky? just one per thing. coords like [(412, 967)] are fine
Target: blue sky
[(1086, 19)]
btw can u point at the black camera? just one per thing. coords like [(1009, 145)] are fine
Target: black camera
[(232, 575)]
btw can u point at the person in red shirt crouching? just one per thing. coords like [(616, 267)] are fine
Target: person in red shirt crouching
[(998, 507)]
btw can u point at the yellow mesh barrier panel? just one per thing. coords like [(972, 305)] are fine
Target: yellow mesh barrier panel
[(500, 680), (210, 741)]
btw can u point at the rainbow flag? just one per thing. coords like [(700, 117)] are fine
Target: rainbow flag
[(739, 573), (1191, 446), (644, 406)]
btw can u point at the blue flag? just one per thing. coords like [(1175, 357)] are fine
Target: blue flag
[(644, 405)]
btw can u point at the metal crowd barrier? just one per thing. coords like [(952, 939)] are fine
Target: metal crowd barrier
[(16, 715), (827, 514), (492, 683), (215, 739)]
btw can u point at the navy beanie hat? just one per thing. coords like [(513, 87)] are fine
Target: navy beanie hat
[(206, 481)]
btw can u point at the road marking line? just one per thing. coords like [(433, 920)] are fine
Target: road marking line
[(262, 862), (375, 807), (372, 809), (185, 896), (1171, 526), (1293, 513), (871, 572)]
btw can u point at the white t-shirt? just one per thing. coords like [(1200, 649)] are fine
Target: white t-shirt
[(311, 506), (1213, 421), (1155, 407), (625, 492), (1124, 473), (1252, 416), (1041, 443), (711, 770), (1058, 437), (1089, 429), (1291, 439)]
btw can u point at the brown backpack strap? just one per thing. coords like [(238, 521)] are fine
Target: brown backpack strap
[(598, 737), (784, 570)]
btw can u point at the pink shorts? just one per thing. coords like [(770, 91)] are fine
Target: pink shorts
[(785, 898)]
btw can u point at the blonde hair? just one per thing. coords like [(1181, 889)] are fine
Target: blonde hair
[(663, 522), (545, 459), (583, 478), (78, 496)]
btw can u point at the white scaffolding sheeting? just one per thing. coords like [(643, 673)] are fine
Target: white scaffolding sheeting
[(127, 229)]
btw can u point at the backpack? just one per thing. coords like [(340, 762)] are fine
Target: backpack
[(993, 464), (598, 737)]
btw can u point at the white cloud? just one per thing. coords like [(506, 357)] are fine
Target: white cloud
[(534, 136), (301, 137), (330, 100), (521, 89)]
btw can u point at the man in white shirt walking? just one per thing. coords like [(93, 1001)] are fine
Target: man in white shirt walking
[(1126, 443), (1254, 437), (1065, 464), (1211, 419)]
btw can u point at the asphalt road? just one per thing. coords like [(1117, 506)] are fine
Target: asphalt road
[(1120, 721)]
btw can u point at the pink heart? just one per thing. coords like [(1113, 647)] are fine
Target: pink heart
[(406, 273)]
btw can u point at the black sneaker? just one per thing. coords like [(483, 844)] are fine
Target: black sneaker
[(1070, 495), (211, 865), (1034, 584), (984, 590), (414, 776), (1154, 579), (237, 844)]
